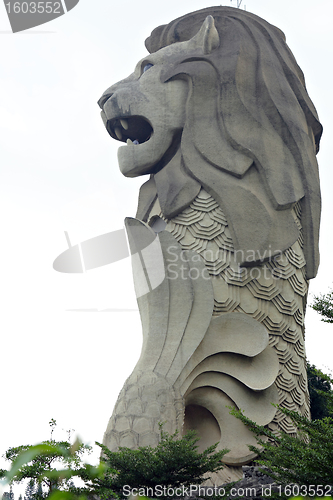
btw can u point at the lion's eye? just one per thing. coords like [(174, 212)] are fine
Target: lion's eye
[(147, 67)]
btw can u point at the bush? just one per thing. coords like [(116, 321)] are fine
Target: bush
[(320, 391), (304, 460), (174, 463), (50, 467)]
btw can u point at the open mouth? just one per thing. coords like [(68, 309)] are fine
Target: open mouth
[(132, 130)]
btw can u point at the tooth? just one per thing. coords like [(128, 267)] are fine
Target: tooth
[(118, 133), (124, 124), (129, 141)]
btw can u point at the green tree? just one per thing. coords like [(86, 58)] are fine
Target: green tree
[(49, 466), (174, 463), (30, 490), (304, 460), (321, 393), (323, 304), (8, 495)]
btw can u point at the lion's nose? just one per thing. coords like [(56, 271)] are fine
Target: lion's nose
[(103, 99)]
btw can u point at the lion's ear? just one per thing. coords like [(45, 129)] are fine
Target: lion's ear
[(207, 38)]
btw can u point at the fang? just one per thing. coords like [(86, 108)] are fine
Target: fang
[(118, 133)]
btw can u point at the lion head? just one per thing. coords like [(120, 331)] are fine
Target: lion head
[(221, 103)]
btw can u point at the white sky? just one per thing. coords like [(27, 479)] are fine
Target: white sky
[(59, 172)]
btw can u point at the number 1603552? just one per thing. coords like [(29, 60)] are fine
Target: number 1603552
[(34, 7)]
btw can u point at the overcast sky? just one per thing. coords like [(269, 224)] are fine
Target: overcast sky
[(59, 173)]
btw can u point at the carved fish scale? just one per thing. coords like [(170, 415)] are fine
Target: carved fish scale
[(273, 295)]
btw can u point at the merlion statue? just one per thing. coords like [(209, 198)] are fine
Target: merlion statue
[(217, 114)]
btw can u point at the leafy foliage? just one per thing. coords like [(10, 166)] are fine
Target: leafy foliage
[(41, 463), (9, 495), (30, 490), (175, 462), (321, 393), (50, 467), (324, 305), (304, 460)]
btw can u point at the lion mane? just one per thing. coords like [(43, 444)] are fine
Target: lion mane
[(250, 138)]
